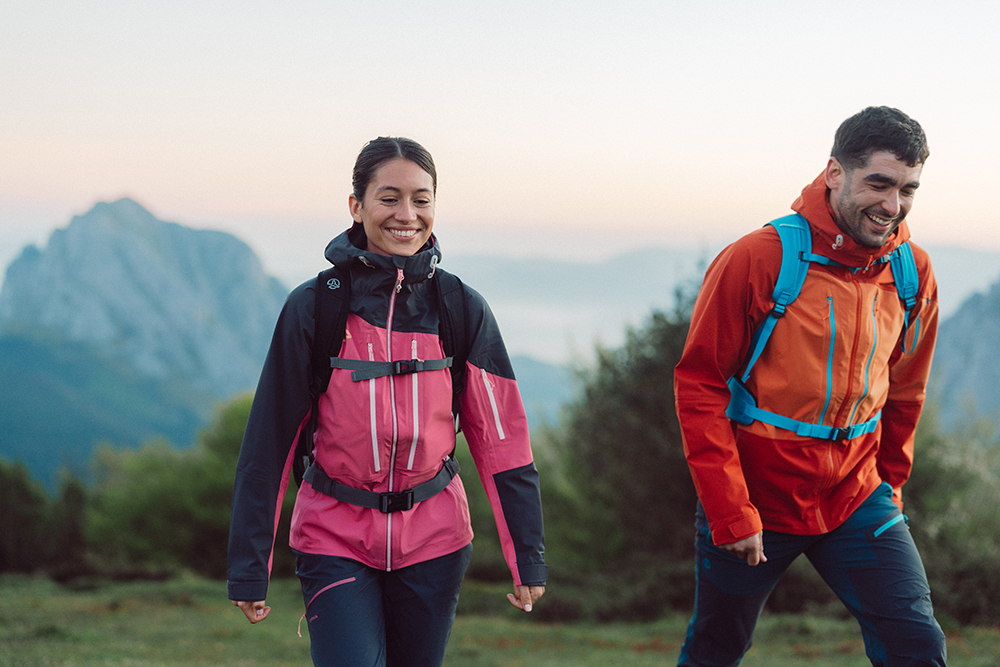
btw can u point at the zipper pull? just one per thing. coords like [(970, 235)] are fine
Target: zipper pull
[(399, 280)]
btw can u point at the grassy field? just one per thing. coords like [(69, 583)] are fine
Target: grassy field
[(187, 621)]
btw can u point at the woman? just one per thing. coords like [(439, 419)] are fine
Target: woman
[(381, 587)]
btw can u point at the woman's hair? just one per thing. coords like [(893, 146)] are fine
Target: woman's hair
[(378, 151)]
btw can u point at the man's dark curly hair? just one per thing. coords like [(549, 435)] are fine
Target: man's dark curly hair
[(879, 129)]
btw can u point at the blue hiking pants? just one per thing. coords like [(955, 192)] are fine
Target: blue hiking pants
[(870, 562), (362, 617)]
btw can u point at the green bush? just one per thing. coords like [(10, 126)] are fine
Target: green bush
[(25, 509), (953, 504), (159, 508)]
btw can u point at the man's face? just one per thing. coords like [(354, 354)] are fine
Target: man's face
[(870, 201)]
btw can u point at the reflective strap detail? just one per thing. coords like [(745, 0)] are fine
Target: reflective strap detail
[(493, 403), (889, 524), (383, 502), (371, 415), (416, 412), (369, 370)]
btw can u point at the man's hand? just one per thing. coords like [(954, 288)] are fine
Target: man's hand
[(750, 549), (525, 596), (254, 611)]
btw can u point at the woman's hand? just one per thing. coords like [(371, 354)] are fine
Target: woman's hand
[(254, 611), (525, 596)]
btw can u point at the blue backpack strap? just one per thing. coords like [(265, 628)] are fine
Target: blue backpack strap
[(904, 273), (743, 409), (796, 246)]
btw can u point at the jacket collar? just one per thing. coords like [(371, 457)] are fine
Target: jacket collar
[(349, 250), (814, 205)]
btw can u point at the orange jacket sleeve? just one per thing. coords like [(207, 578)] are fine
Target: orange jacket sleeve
[(734, 298)]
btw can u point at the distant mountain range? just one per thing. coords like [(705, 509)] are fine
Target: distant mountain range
[(965, 379), (125, 328)]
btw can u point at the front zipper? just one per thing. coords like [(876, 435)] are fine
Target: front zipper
[(395, 426), (854, 353), (868, 366), (829, 360)]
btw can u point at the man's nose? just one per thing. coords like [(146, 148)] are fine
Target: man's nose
[(891, 202)]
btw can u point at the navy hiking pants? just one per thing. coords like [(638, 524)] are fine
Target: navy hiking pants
[(870, 562), (362, 617)]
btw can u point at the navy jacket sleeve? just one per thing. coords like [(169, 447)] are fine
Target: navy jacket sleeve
[(493, 419), (280, 408)]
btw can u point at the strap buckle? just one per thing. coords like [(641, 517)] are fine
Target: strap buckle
[(395, 502), (405, 367), (841, 434)]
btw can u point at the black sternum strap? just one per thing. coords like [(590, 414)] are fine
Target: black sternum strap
[(383, 502), (368, 370)]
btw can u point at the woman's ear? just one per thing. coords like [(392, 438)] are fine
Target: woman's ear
[(355, 207)]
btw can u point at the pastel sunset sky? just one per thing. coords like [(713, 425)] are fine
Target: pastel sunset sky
[(569, 129)]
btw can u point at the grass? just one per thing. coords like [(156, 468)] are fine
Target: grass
[(187, 621)]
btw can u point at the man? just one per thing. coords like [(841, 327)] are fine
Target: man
[(847, 352)]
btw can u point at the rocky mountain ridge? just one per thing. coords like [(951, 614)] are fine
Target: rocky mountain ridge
[(125, 329), (173, 303)]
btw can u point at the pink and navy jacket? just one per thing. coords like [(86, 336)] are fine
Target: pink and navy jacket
[(385, 434)]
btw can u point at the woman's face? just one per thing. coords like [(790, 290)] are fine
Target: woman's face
[(398, 208)]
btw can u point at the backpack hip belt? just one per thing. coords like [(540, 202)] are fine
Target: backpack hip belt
[(383, 502)]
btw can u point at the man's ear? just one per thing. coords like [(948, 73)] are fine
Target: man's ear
[(834, 174)]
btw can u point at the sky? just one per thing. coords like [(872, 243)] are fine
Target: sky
[(562, 129)]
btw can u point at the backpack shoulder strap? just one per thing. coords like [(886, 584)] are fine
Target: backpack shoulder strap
[(904, 273), (454, 329), (332, 303), (796, 247), (333, 296)]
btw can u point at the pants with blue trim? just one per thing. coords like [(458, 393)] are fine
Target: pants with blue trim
[(362, 617), (870, 562)]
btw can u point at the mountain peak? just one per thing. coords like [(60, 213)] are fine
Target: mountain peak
[(170, 301)]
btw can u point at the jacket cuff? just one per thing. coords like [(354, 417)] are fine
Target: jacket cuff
[(250, 591), (533, 575), (739, 529)]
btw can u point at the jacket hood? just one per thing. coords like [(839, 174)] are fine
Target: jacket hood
[(828, 240), (349, 250)]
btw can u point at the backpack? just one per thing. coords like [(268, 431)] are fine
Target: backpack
[(796, 255), (333, 298)]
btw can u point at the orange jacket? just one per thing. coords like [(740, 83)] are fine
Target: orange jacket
[(759, 476)]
